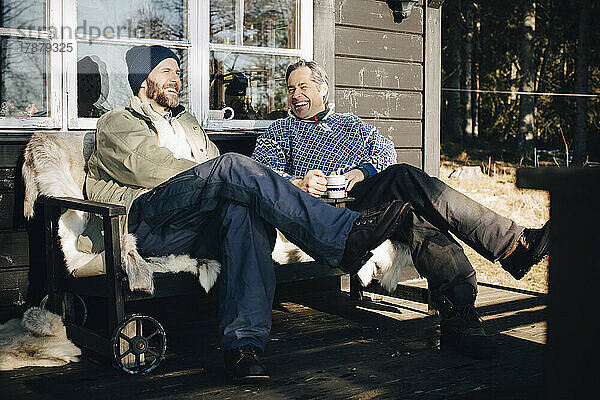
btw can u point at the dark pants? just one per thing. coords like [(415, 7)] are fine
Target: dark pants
[(227, 209), (439, 211)]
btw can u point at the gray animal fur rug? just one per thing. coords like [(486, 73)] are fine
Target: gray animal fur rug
[(39, 339)]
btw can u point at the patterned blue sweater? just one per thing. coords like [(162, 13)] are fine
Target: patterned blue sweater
[(338, 143)]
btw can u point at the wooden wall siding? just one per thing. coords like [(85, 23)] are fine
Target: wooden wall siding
[(351, 72), (14, 249), (413, 157), (379, 71), (376, 15), (402, 133), (368, 103), (366, 43)]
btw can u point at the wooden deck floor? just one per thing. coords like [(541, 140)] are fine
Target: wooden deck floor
[(327, 348)]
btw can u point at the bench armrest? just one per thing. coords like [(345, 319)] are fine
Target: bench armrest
[(94, 207)]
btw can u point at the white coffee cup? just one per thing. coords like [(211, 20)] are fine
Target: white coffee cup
[(336, 186), (220, 114)]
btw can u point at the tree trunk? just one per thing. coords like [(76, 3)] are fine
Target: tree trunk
[(453, 117), (581, 85), (466, 60), (526, 104)]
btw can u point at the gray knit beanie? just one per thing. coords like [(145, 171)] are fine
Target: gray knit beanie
[(141, 60)]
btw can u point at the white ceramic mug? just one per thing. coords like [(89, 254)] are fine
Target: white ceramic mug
[(336, 186), (220, 114)]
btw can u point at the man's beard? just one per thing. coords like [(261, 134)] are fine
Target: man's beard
[(155, 92)]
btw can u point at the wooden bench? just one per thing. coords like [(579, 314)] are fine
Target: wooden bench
[(136, 343)]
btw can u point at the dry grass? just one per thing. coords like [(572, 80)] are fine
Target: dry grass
[(526, 207)]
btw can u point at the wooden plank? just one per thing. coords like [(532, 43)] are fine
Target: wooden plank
[(413, 157), (7, 179), (7, 201), (324, 30), (378, 74), (433, 90), (9, 153), (14, 286), (369, 103), (376, 15), (94, 207), (356, 42), (403, 133), (14, 249)]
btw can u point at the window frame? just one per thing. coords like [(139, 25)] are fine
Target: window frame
[(62, 67), (53, 72), (305, 51), (70, 19)]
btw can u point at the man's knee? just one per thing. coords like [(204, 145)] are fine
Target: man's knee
[(237, 160), (405, 169)]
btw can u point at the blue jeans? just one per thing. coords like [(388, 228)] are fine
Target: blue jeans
[(227, 209)]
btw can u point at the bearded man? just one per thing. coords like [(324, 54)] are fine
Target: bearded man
[(182, 197)]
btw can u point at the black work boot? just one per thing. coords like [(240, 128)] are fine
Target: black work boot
[(529, 250), (462, 329), (370, 230), (243, 365)]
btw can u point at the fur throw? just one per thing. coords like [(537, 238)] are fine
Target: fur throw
[(54, 165), (385, 265), (39, 339)]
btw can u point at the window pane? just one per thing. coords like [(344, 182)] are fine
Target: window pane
[(23, 14), (150, 19), (263, 23), (252, 85), (102, 83), (23, 85)]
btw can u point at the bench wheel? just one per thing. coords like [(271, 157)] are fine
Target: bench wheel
[(138, 344)]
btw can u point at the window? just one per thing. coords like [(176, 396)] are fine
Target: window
[(29, 97), (104, 31), (62, 62), (250, 45)]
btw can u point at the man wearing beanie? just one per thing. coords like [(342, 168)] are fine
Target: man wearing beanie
[(182, 197)]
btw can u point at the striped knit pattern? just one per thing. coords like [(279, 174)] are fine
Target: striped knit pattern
[(339, 143)]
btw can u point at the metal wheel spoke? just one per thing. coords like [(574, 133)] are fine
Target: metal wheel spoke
[(125, 354), (138, 327), (125, 337), (137, 360), (155, 354), (152, 335)]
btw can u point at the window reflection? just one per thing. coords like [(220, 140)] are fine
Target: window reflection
[(23, 14), (92, 87), (252, 85), (102, 78), (23, 87), (150, 19), (263, 23)]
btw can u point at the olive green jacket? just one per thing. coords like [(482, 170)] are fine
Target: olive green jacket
[(128, 159), (128, 162)]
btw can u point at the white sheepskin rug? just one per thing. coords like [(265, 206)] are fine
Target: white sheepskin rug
[(39, 339)]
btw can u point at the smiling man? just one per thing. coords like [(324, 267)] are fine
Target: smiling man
[(182, 197), (313, 142)]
